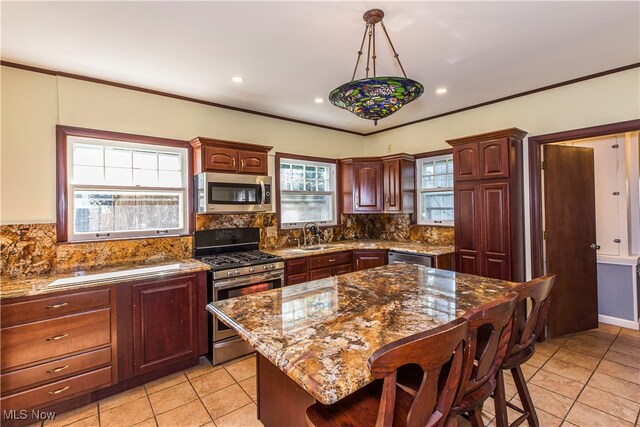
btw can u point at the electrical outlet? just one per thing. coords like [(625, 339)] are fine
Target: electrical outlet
[(272, 231), (389, 148)]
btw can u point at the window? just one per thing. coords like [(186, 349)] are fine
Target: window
[(307, 192), (435, 188), (118, 189)]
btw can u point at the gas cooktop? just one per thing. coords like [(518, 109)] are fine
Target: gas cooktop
[(239, 259)]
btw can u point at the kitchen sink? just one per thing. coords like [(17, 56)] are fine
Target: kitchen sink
[(310, 248)]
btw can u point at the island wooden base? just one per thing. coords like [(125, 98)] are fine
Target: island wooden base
[(281, 402)]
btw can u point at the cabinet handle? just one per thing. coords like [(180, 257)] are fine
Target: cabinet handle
[(357, 263), (57, 337), (242, 164), (58, 369), (59, 391), (62, 304), (233, 162), (332, 260)]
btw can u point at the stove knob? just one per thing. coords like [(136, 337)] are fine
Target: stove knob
[(228, 273), (271, 266), (236, 272), (264, 267), (251, 269)]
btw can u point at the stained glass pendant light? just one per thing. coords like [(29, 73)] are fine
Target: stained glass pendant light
[(375, 98)]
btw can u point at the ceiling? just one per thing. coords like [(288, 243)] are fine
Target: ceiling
[(289, 53)]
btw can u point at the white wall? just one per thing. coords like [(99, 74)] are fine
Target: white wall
[(33, 103)]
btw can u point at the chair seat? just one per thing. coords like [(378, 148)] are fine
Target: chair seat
[(359, 409), (518, 358)]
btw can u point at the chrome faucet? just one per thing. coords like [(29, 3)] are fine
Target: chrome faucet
[(314, 230)]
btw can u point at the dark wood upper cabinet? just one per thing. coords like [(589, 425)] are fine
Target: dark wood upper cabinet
[(466, 162), (489, 204), (378, 184), (212, 155), (219, 159), (252, 162), (165, 323), (494, 158), (367, 186)]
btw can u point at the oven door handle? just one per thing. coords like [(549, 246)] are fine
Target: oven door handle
[(246, 280)]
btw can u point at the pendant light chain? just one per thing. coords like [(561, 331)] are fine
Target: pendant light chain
[(364, 36), (395, 54), (368, 51), (374, 49)]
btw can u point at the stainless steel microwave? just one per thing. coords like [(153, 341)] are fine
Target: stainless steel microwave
[(228, 193)]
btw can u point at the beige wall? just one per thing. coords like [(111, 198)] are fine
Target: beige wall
[(33, 103), (608, 99)]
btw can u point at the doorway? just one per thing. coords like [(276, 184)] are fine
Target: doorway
[(563, 204)]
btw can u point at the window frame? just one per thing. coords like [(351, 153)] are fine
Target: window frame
[(420, 160), (64, 205), (337, 190)]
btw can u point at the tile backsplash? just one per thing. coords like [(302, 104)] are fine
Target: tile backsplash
[(31, 249)]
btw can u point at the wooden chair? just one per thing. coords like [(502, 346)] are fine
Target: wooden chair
[(526, 330), (490, 328), (383, 403)]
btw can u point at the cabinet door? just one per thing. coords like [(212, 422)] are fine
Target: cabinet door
[(367, 186), (369, 259), (467, 229), (164, 323), (217, 159), (321, 273), (466, 162), (496, 230), (392, 189), (252, 162), (494, 158)]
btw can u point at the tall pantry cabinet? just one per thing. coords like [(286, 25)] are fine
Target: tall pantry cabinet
[(489, 204)]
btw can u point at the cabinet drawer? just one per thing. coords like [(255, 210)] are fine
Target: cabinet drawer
[(45, 308), (54, 370), (329, 260), (296, 266), (294, 279), (63, 389), (342, 269), (321, 273), (50, 338)]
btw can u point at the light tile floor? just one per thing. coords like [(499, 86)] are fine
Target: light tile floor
[(587, 379)]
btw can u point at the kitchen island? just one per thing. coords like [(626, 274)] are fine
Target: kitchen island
[(314, 339)]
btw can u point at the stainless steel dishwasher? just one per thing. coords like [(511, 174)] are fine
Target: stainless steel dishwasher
[(407, 258)]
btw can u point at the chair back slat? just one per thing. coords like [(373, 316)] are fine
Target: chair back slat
[(527, 328), (430, 350), (490, 328)]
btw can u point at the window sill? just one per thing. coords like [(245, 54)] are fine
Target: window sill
[(428, 224), (112, 239)]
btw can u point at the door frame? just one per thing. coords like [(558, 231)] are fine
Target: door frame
[(535, 177)]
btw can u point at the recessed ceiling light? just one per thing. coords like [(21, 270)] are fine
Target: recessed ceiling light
[(319, 100), (441, 90), (237, 79)]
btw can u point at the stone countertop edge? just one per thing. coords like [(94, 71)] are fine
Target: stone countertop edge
[(363, 245), (39, 285), (269, 354)]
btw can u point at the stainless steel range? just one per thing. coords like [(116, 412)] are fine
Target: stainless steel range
[(237, 268)]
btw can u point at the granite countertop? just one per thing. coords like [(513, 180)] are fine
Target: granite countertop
[(322, 333), (39, 285), (363, 244)]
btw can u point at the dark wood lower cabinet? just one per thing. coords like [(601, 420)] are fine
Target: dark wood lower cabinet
[(369, 259), (164, 323), (116, 338)]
